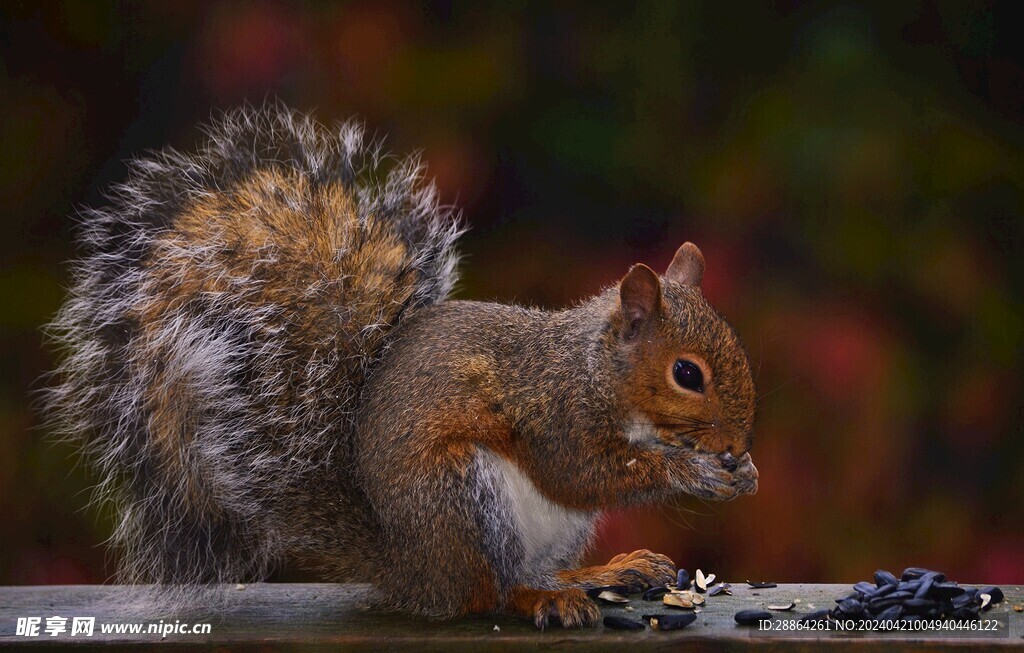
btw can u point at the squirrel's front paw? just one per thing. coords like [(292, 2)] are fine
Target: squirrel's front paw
[(637, 570), (572, 607), (720, 477)]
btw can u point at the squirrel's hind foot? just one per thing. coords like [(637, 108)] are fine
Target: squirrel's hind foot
[(572, 607)]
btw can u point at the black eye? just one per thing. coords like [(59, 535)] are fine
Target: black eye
[(688, 376)]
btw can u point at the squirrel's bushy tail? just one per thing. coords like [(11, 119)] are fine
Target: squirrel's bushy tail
[(225, 312)]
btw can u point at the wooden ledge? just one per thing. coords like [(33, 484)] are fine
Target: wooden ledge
[(335, 617)]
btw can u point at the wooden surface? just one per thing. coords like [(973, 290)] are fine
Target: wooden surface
[(336, 617)]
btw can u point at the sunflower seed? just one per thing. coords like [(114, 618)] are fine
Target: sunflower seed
[(672, 621), (913, 573), (865, 588), (925, 588), (683, 579), (782, 606), (621, 623), (655, 593), (947, 590), (891, 613), (751, 617), (995, 593), (883, 577)]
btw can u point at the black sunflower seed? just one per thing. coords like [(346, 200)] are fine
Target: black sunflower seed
[(682, 579), (925, 588), (908, 585), (965, 599), (936, 576), (672, 621), (884, 590), (995, 593), (947, 590), (891, 613), (622, 623), (913, 573), (919, 606), (865, 588), (883, 577), (751, 617), (880, 604), (655, 593), (851, 607)]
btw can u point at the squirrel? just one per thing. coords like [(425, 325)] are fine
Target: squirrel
[(262, 362)]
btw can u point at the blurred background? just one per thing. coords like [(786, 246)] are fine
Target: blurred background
[(854, 176)]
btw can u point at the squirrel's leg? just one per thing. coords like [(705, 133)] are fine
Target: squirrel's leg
[(433, 557), (639, 569), (449, 545)]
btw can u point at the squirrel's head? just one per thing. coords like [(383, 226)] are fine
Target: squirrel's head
[(689, 381)]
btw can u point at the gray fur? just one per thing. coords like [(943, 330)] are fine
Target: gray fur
[(227, 357)]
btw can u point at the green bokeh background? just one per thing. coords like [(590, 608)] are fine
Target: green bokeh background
[(854, 174)]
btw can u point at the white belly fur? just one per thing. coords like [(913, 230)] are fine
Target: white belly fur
[(548, 532)]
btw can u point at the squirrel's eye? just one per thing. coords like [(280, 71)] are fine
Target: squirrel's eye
[(688, 376)]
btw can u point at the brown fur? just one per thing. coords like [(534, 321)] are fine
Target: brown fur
[(264, 366)]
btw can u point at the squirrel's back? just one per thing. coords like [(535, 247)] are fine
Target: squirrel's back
[(227, 307)]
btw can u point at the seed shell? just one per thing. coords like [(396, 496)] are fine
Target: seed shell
[(761, 585), (595, 592), (782, 606), (722, 588), (676, 601), (612, 597)]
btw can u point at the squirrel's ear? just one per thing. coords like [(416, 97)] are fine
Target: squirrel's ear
[(639, 296), (687, 266)]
